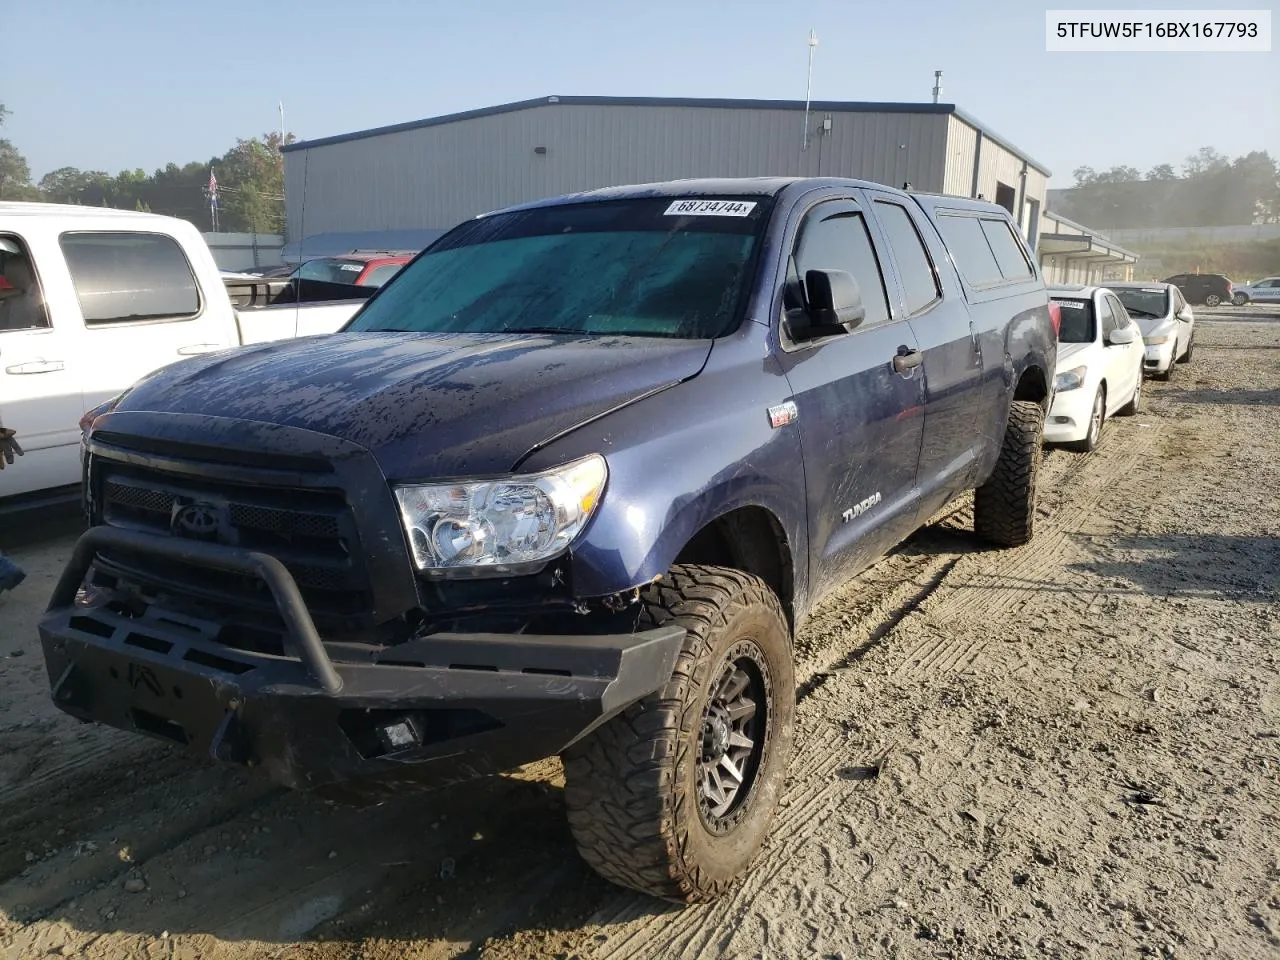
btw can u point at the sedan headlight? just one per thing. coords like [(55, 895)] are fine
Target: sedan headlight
[(487, 528), (1155, 341), (1072, 379)]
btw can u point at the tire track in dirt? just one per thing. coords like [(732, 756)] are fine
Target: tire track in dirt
[(985, 586)]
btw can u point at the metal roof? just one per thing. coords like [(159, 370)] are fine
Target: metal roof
[(819, 106)]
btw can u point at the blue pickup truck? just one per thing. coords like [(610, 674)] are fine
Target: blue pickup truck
[(568, 484)]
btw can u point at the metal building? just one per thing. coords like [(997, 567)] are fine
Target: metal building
[(437, 172)]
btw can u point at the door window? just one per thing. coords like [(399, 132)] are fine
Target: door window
[(919, 279), (1122, 318), (21, 299), (127, 277), (1107, 318), (970, 249), (834, 236), (1008, 251)]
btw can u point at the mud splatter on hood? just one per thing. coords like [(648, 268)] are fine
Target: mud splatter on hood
[(425, 405)]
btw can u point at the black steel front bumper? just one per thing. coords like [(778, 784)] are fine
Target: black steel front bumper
[(366, 720)]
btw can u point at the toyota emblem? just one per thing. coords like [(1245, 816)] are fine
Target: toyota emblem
[(197, 520)]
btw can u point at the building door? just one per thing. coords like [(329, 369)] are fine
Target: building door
[(1006, 196)]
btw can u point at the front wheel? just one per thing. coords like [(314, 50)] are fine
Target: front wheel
[(1004, 508), (1097, 417), (1186, 357), (1239, 300), (1212, 300), (674, 796), (1135, 402)]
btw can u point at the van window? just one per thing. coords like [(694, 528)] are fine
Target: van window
[(124, 277), (919, 281), (21, 301), (968, 245), (1009, 254)]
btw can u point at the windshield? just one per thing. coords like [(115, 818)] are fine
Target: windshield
[(1144, 302), (380, 275), (1077, 321), (331, 270), (652, 267)]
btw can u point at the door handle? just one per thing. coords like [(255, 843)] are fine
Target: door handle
[(192, 349), (36, 366), (907, 360)]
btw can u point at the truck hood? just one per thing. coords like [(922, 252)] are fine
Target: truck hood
[(426, 405)]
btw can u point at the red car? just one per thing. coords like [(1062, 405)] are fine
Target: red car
[(363, 268)]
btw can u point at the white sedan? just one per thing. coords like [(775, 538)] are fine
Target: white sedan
[(1099, 373), (1166, 320)]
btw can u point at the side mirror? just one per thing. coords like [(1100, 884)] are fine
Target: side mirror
[(1185, 314), (1122, 336), (834, 306)]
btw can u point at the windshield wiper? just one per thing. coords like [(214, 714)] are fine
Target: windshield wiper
[(577, 330)]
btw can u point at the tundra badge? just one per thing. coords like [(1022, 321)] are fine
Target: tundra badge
[(858, 509)]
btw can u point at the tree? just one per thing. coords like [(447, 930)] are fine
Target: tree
[(15, 173), (1213, 191), (1203, 161), (69, 184), (251, 185)]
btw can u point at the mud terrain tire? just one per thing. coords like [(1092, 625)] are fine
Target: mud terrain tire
[(637, 789), (1004, 508)]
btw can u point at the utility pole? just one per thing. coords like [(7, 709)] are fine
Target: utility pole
[(281, 105), (808, 87)]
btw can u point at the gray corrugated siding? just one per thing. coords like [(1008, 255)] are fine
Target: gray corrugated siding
[(962, 140), (434, 177)]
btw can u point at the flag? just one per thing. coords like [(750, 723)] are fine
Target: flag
[(213, 189)]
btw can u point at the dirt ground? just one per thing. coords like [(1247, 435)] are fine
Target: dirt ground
[(1067, 750)]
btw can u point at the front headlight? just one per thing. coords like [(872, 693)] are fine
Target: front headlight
[(1155, 341), (487, 528), (1072, 379)]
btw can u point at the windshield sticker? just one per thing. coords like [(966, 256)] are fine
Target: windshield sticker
[(1153, 289), (1071, 304), (711, 208), (354, 267)]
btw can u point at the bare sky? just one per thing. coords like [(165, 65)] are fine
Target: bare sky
[(139, 83)]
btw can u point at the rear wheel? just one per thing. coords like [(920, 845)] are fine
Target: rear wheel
[(1004, 508), (674, 797), (1212, 300), (1097, 417)]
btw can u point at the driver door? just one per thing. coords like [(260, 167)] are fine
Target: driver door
[(860, 421)]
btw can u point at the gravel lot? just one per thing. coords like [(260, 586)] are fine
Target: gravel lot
[(1067, 750)]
